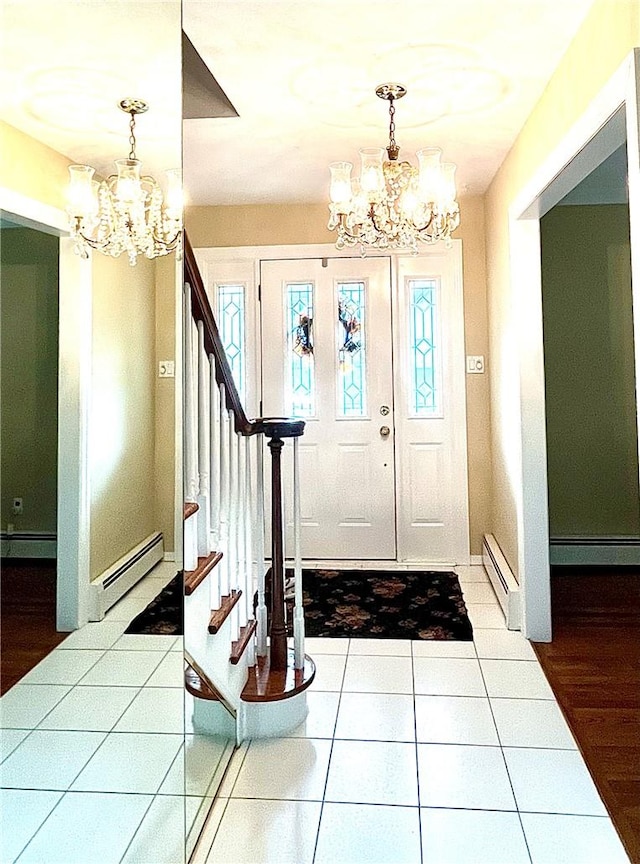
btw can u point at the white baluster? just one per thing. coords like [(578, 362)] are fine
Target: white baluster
[(260, 563), (248, 531), (190, 442), (242, 564), (232, 544), (214, 479), (214, 452), (204, 513), (225, 572), (298, 612)]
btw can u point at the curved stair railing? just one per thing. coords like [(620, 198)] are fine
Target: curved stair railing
[(224, 546)]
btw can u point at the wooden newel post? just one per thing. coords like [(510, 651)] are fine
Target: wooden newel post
[(278, 628)]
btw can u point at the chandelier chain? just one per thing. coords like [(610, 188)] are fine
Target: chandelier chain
[(132, 135), (392, 125)]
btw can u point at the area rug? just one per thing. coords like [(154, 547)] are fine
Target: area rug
[(383, 604), (164, 616)]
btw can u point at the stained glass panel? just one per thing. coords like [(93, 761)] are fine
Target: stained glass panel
[(230, 320), (424, 350), (351, 350), (300, 366)]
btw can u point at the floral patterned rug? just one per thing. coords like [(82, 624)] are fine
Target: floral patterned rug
[(164, 615), (384, 605)]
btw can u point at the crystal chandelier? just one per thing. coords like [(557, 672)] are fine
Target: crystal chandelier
[(127, 211), (393, 204)]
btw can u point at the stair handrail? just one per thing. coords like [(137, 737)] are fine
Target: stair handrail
[(275, 429)]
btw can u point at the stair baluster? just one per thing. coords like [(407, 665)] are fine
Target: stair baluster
[(260, 563), (298, 609)]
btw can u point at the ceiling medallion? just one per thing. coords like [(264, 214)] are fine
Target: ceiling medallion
[(393, 205), (127, 212)]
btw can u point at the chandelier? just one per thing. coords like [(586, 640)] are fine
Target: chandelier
[(127, 211), (393, 204)]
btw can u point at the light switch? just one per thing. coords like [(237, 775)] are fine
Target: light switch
[(475, 364), (166, 369)]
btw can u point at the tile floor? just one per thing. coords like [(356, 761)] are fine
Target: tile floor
[(425, 753), (418, 753), (93, 748)]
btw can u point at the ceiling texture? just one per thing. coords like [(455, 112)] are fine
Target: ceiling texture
[(301, 77)]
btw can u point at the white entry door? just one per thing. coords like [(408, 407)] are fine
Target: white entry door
[(327, 358)]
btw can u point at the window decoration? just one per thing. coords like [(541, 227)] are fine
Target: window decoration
[(231, 323), (351, 350), (424, 350), (300, 366)]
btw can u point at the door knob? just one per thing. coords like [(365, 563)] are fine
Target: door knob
[(385, 431)]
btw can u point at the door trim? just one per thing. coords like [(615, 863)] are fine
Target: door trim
[(571, 160), (254, 254), (74, 390)]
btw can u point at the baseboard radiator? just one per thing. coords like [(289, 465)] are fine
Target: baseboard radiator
[(504, 582), (111, 585)]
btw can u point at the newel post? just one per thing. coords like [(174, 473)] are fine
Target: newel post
[(278, 627)]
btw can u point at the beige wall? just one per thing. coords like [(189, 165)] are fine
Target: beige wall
[(264, 225), (608, 34), (29, 299), (592, 440), (122, 422), (165, 389), (32, 168)]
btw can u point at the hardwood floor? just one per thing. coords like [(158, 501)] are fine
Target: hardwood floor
[(27, 617), (593, 666)]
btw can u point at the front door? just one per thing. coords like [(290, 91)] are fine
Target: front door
[(327, 357)]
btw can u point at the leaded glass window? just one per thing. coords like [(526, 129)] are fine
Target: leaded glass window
[(424, 350), (300, 364), (231, 325), (351, 350)]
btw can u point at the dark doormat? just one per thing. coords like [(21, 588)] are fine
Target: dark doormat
[(164, 616), (383, 604)]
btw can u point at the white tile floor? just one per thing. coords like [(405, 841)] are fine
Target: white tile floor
[(93, 748), (425, 753)]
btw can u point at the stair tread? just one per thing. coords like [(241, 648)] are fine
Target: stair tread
[(239, 645), (220, 615), (193, 578), (263, 685), (190, 507)]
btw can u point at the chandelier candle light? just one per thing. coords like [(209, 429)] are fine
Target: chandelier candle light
[(393, 204), (127, 211)]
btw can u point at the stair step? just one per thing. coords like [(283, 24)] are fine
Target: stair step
[(238, 647), (190, 507), (264, 685), (193, 578), (198, 686), (220, 615)]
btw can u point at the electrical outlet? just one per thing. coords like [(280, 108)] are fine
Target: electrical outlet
[(166, 369), (17, 506), (475, 364)]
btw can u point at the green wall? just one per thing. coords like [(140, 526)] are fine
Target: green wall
[(592, 448), (29, 379)]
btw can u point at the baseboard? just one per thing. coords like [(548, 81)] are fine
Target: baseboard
[(602, 551), (504, 583), (350, 564), (28, 544), (116, 580)]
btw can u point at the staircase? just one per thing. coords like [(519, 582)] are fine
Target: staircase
[(239, 659)]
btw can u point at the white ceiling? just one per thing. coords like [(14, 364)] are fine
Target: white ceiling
[(301, 75), (66, 64)]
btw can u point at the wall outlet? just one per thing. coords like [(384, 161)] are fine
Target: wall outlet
[(166, 369), (17, 506)]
